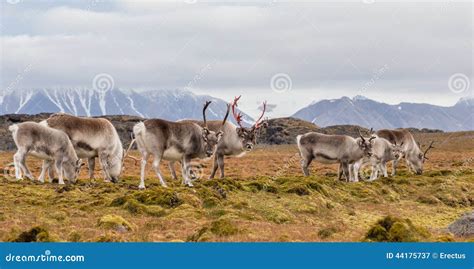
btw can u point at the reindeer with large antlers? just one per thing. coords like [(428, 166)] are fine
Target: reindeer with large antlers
[(236, 141), (176, 141), (414, 156)]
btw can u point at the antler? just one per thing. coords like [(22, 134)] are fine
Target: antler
[(257, 122), (237, 117), (204, 112), (426, 151), (361, 136), (226, 114)]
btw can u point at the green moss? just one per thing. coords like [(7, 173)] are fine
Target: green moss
[(326, 232), (428, 199), (114, 222), (391, 229), (301, 191), (35, 234), (223, 227), (159, 196), (74, 237)]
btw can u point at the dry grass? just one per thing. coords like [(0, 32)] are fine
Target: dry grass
[(264, 197)]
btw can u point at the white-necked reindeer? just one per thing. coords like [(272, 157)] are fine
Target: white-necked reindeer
[(236, 140), (91, 138), (341, 149), (175, 141), (46, 143)]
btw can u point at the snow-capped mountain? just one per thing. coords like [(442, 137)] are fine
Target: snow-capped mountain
[(165, 104), (369, 113)]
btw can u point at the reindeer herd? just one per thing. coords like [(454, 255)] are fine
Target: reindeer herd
[(63, 140)]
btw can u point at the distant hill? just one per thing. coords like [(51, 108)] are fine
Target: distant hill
[(372, 114)]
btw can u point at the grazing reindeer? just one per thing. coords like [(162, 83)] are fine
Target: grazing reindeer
[(92, 137), (45, 143), (175, 141), (414, 157), (236, 141), (382, 152), (341, 149)]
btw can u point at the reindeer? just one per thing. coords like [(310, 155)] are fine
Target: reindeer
[(92, 137), (414, 157), (236, 141), (382, 152), (341, 149), (49, 144), (175, 141)]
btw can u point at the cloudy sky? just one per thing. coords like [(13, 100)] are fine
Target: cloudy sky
[(285, 52)]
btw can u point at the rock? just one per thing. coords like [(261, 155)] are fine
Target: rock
[(464, 226)]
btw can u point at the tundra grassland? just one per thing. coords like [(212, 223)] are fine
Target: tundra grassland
[(263, 197)]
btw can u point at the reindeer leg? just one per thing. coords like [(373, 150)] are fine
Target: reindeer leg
[(305, 162), (44, 168), (339, 172), (156, 167), (215, 165), (394, 167), (91, 167), (105, 167), (383, 168), (20, 157), (345, 168), (50, 171), (220, 163), (186, 170), (142, 170), (16, 163), (59, 170), (172, 170)]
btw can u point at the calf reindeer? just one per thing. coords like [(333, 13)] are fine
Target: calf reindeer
[(91, 138), (414, 156), (341, 149), (382, 152), (236, 141), (175, 141), (49, 144)]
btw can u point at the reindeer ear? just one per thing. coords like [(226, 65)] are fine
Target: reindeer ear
[(219, 134), (240, 131)]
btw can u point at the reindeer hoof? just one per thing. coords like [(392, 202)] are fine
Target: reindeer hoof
[(141, 187)]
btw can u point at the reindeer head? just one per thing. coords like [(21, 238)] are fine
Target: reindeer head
[(248, 136), (417, 160), (397, 151), (365, 144), (71, 169), (211, 138)]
